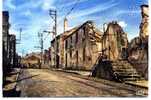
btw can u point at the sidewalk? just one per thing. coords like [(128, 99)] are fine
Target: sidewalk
[(9, 89), (83, 73), (142, 83)]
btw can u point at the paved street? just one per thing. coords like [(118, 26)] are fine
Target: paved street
[(48, 83)]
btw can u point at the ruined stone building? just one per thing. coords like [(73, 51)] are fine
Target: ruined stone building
[(107, 54), (12, 50), (138, 47), (31, 60), (114, 42), (144, 32), (5, 35), (9, 44), (81, 47), (46, 58), (126, 61), (55, 52), (10, 57)]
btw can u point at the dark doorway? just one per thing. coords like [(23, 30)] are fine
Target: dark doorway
[(57, 61), (124, 54), (66, 61), (77, 59)]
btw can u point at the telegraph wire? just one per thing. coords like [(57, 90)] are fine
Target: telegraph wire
[(72, 8), (69, 12)]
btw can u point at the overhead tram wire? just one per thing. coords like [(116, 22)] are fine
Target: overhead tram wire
[(61, 7), (69, 12), (72, 8)]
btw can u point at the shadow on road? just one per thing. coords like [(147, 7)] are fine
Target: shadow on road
[(26, 78), (11, 93)]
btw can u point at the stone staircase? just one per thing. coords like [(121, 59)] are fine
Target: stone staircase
[(119, 70), (125, 71)]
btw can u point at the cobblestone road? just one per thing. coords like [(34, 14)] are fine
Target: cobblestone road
[(48, 83)]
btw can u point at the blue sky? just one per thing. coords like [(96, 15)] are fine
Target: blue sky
[(33, 17)]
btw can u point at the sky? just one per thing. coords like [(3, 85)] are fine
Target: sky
[(33, 17)]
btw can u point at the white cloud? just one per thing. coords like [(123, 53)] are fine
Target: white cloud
[(28, 4), (10, 5), (122, 24), (130, 12), (47, 4), (72, 3), (98, 8)]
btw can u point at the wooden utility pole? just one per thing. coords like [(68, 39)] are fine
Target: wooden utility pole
[(40, 36), (53, 15)]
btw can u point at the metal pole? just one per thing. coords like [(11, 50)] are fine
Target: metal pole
[(41, 35), (56, 37), (53, 14)]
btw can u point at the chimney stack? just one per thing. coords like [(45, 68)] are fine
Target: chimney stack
[(65, 24)]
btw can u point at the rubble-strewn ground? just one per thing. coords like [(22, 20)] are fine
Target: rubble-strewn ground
[(48, 83)]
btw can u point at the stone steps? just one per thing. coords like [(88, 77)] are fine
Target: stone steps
[(127, 73), (131, 79), (125, 70)]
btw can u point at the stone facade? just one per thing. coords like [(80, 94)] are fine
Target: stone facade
[(55, 52), (115, 42), (5, 40), (82, 47), (57, 58), (144, 32), (9, 44), (10, 58), (138, 47), (12, 50)]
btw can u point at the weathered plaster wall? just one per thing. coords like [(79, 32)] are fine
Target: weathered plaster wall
[(81, 52)]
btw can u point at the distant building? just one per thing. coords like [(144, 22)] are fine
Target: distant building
[(47, 58), (32, 60), (5, 39), (12, 50)]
